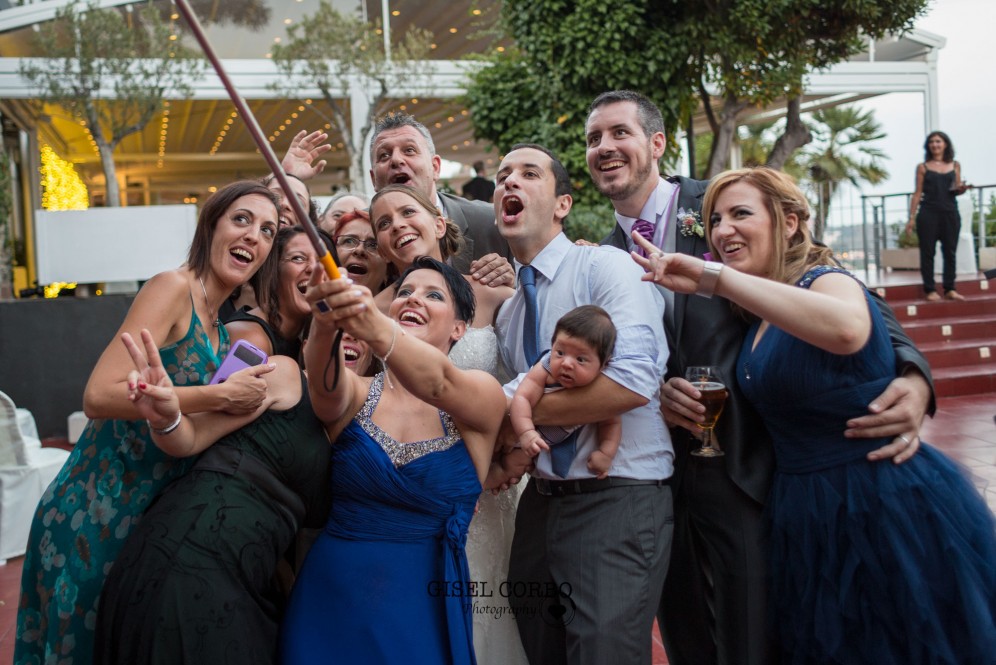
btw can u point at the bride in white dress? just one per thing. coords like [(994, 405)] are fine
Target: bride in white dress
[(489, 539), (408, 225)]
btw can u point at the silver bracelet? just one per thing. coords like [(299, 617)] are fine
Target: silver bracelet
[(390, 350), (709, 278), (169, 428)]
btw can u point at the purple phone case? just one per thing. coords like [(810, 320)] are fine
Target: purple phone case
[(241, 355)]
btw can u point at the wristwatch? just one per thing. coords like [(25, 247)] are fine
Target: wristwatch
[(707, 282)]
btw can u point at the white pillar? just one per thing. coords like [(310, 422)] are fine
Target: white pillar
[(931, 110)]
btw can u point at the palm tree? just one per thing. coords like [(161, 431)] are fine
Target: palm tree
[(842, 152)]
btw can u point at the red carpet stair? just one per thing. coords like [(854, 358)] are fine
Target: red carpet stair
[(958, 338)]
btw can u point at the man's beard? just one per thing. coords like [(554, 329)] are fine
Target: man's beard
[(619, 191)]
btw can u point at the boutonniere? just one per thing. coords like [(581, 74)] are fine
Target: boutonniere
[(690, 223)]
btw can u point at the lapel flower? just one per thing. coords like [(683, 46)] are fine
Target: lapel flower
[(690, 223)]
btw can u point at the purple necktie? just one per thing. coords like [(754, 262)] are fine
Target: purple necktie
[(645, 229)]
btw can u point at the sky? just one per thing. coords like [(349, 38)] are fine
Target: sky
[(967, 82)]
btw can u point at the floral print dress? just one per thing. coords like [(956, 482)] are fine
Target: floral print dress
[(113, 474)]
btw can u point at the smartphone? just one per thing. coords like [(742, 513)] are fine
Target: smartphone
[(241, 355)]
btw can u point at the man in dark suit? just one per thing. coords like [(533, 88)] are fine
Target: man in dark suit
[(480, 187), (713, 606), (402, 152)]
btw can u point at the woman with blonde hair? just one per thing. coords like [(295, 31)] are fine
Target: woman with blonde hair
[(870, 561)]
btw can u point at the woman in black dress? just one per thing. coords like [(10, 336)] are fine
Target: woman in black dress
[(938, 182), (195, 582)]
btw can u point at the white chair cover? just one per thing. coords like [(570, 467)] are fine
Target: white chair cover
[(26, 470)]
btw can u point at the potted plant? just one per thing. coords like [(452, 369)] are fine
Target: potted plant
[(906, 255)]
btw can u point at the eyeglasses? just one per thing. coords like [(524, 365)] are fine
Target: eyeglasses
[(352, 242)]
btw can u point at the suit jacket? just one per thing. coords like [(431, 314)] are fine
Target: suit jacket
[(706, 331), (476, 220)]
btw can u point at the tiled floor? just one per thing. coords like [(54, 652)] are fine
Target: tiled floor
[(964, 427)]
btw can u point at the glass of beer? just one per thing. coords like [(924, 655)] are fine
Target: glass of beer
[(706, 379)]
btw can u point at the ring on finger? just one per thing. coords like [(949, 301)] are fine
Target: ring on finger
[(323, 306), (905, 439)]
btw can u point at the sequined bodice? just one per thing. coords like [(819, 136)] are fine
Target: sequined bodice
[(402, 453)]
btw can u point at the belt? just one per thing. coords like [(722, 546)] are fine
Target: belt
[(586, 485)]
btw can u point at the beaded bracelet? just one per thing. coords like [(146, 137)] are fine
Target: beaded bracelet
[(169, 428)]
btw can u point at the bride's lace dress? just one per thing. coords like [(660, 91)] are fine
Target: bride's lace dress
[(496, 639)]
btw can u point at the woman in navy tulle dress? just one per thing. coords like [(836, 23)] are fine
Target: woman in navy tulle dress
[(871, 562), (387, 580)]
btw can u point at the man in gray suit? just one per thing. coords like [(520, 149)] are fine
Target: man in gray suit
[(402, 152), (713, 606)]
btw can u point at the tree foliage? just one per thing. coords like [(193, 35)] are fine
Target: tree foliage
[(843, 152), (567, 52), (6, 225), (725, 54), (338, 53), (110, 72)]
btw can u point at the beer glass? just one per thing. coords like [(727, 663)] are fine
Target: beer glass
[(707, 380)]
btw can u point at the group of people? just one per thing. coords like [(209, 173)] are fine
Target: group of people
[(826, 532)]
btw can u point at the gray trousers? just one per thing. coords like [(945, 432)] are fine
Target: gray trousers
[(586, 573)]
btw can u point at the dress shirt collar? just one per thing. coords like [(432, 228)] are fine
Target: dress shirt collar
[(653, 210), (547, 262)]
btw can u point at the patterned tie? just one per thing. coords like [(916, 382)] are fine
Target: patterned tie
[(645, 229), (530, 330)]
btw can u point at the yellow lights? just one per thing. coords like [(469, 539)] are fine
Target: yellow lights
[(190, 199), (212, 189), (62, 187), (439, 125), (501, 49), (453, 31), (465, 112), (476, 12), (288, 121), (449, 119), (287, 21), (174, 16), (52, 290), (172, 38), (223, 132), (276, 40), (414, 100), (395, 13), (432, 47), (163, 132), (403, 107)]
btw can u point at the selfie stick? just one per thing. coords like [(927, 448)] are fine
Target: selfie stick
[(257, 136)]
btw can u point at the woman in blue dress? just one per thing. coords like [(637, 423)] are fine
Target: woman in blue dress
[(387, 580), (115, 471), (871, 562)]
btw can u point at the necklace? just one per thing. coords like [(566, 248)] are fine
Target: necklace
[(217, 321)]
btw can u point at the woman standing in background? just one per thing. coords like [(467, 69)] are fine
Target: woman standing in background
[(938, 182)]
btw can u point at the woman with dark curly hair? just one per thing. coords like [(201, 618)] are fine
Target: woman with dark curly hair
[(938, 182)]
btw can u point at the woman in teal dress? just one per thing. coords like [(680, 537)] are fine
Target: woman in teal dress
[(870, 561), (115, 471), (386, 581)]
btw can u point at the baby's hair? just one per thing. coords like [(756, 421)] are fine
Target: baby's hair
[(592, 325)]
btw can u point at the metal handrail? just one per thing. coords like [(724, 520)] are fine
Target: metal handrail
[(883, 214)]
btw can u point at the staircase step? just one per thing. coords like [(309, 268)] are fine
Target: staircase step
[(963, 328), (912, 310), (972, 380), (952, 353), (966, 287)]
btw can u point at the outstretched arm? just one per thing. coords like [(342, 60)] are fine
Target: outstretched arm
[(832, 314)]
